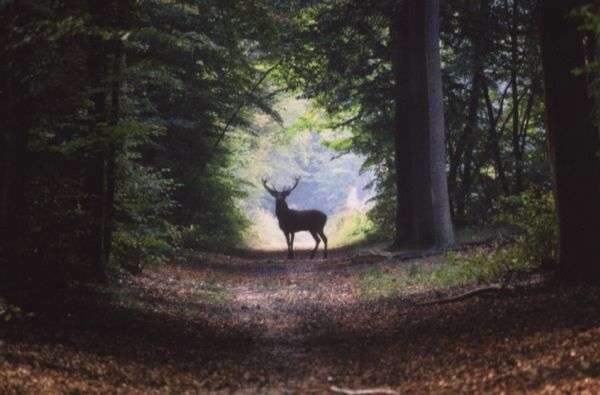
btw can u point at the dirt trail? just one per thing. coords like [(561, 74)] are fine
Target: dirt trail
[(283, 297), (209, 323)]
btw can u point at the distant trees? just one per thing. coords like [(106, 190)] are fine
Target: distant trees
[(494, 106), (573, 136)]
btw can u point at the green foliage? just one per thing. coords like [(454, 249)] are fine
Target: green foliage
[(349, 227), (533, 216), (376, 283), (160, 116), (143, 202), (479, 266), (9, 312)]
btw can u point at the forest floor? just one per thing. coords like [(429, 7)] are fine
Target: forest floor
[(208, 323)]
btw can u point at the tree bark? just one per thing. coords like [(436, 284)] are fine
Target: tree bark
[(574, 140), (115, 114), (402, 142), (516, 141), (14, 127), (431, 208), (96, 166), (479, 55)]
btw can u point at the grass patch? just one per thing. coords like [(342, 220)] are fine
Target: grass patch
[(212, 291), (376, 283), (478, 266)]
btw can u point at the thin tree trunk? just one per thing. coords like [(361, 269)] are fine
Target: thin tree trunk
[(522, 139), (575, 143), (465, 148), (495, 143), (514, 48), (96, 169), (111, 157)]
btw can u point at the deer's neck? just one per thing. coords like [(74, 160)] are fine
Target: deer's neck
[(281, 209)]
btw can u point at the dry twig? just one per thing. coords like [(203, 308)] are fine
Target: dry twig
[(368, 391)]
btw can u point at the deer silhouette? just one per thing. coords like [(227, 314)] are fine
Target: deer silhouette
[(292, 221)]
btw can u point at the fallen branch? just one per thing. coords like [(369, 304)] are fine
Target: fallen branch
[(369, 391), (469, 294)]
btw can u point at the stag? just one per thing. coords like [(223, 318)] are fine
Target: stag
[(292, 221)]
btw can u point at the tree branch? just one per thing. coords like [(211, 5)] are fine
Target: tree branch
[(242, 104)]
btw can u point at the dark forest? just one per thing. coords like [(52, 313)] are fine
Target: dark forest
[(300, 196)]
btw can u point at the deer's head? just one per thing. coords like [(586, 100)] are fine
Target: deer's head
[(280, 196)]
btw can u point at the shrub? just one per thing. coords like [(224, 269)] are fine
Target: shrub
[(532, 215), (144, 200)]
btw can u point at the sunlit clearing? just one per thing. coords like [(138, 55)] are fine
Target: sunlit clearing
[(330, 182)]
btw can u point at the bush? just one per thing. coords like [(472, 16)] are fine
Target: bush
[(532, 215), (349, 227), (144, 201)]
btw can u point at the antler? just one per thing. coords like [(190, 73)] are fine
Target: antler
[(271, 191), (288, 190)]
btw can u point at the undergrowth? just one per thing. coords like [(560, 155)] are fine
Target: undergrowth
[(479, 266)]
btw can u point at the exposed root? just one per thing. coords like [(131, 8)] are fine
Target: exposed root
[(368, 391), (470, 294)]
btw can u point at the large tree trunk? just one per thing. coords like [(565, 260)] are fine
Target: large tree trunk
[(431, 215), (402, 142), (14, 126), (574, 140)]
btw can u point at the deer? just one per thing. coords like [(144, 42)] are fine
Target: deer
[(292, 221)]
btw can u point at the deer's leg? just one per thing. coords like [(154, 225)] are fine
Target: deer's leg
[(317, 240), (292, 244), (287, 240), (324, 242)]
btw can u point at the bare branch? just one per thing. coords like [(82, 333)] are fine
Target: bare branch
[(242, 104)]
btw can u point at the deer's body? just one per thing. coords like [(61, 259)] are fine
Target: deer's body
[(299, 220), (292, 221)]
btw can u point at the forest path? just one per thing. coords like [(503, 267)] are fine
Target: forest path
[(210, 323)]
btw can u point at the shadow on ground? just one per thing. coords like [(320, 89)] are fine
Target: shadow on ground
[(268, 325)]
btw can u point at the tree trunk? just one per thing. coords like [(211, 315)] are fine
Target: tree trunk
[(96, 167), (463, 154), (431, 213), (402, 143), (516, 146), (112, 149), (494, 143), (575, 142), (14, 126)]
